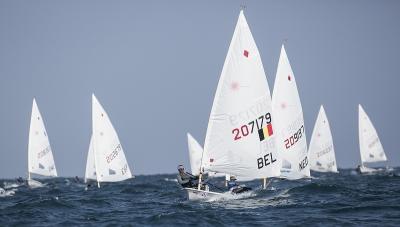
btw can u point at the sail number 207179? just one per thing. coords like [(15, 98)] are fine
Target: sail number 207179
[(248, 128)]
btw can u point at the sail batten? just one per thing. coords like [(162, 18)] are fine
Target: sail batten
[(240, 111)]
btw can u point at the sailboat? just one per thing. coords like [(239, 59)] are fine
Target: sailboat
[(240, 137), (289, 123), (106, 160), (371, 149), (321, 150), (40, 155)]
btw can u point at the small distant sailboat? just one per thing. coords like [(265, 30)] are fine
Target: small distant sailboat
[(371, 149), (106, 160), (40, 155), (240, 139), (289, 122), (321, 150)]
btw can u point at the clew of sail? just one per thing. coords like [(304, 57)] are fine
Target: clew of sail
[(322, 152), (371, 149), (240, 134), (289, 122), (110, 161), (40, 155)]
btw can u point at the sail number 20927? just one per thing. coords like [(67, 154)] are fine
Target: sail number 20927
[(248, 129)]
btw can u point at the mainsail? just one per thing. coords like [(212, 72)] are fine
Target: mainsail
[(40, 156), (289, 122), (195, 151), (371, 149), (240, 137), (322, 153), (110, 161)]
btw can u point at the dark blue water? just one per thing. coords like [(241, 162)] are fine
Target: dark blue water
[(328, 199)]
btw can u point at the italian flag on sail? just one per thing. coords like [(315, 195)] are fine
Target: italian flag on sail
[(265, 132)]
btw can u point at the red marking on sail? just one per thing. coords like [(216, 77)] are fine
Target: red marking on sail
[(289, 78), (235, 86), (246, 53), (211, 160), (283, 105)]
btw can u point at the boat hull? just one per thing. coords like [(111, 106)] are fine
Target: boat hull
[(366, 170), (34, 184), (195, 194)]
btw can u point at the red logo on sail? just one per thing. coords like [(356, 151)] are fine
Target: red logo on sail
[(246, 53)]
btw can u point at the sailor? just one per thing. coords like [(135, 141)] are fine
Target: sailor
[(77, 179), (232, 184), (234, 187), (20, 180), (185, 179), (358, 169)]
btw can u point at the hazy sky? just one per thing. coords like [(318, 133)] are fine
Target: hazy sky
[(155, 65)]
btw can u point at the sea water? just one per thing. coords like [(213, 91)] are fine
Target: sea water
[(346, 198)]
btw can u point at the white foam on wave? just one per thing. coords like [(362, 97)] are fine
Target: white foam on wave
[(8, 185), (6, 193), (171, 180), (35, 184)]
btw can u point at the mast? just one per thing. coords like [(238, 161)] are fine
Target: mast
[(95, 163)]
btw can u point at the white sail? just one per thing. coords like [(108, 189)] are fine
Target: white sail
[(195, 151), (321, 150), (90, 173), (371, 149), (40, 156), (110, 161), (289, 122), (240, 139)]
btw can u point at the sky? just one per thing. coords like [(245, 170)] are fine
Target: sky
[(155, 65)]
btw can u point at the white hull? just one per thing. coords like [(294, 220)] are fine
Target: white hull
[(201, 195), (34, 184), (322, 170), (291, 175), (366, 170), (195, 194)]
